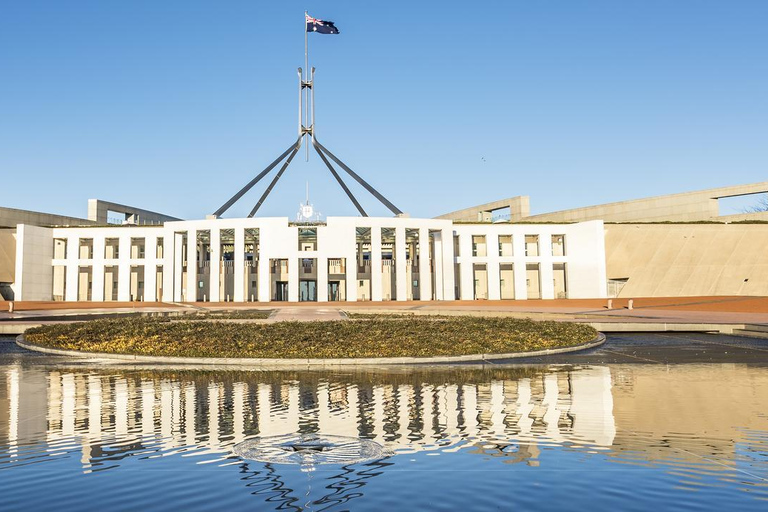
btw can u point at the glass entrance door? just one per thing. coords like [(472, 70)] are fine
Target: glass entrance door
[(307, 291), (333, 291)]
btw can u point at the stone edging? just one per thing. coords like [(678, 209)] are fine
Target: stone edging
[(303, 363)]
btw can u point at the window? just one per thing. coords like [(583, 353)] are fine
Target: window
[(558, 245), (478, 245), (86, 249), (531, 245), (505, 245)]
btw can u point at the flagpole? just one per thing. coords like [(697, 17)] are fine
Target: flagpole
[(306, 75)]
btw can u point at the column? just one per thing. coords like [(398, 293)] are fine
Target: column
[(98, 269), (264, 278), (351, 276), (449, 292), (215, 268), (150, 269), (191, 266), (293, 278), (492, 266), (178, 266), (425, 272), (547, 278), (239, 256), (518, 250), (72, 278), (437, 255), (401, 264), (322, 278), (170, 268), (376, 263), (467, 270), (124, 268)]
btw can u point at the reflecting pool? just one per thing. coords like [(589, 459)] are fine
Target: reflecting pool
[(566, 436)]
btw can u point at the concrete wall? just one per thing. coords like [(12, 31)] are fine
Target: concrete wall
[(34, 253), (518, 209), (97, 213), (671, 260), (684, 207), (7, 255), (10, 217)]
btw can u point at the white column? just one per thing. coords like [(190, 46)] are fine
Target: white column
[(98, 269), (72, 277), (494, 273), (546, 276), (437, 257), (240, 285), (150, 268), (191, 266), (293, 279), (322, 279), (467, 273), (401, 264), (351, 276), (425, 276), (124, 268), (175, 271), (449, 292), (264, 278), (215, 266), (520, 273), (169, 268), (376, 263)]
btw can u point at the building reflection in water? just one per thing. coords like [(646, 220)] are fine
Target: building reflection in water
[(108, 413)]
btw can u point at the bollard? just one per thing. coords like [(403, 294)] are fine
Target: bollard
[(251, 297), (205, 299), (610, 304), (227, 297), (630, 304), (10, 307)]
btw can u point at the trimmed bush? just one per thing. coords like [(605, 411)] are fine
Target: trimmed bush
[(415, 336)]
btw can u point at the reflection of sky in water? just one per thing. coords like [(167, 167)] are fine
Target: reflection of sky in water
[(473, 435)]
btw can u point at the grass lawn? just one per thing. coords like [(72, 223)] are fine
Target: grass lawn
[(384, 336)]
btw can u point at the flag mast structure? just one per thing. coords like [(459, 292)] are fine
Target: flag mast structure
[(307, 130)]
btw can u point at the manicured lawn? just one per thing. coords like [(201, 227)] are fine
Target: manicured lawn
[(416, 336)]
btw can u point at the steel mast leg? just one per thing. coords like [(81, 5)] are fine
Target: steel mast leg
[(322, 149), (341, 182), (274, 182), (255, 180)]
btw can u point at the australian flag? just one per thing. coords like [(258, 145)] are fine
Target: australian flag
[(320, 26)]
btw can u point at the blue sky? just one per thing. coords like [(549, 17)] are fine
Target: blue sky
[(174, 105)]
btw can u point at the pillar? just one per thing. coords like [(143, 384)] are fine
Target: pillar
[(376, 264), (401, 265), (425, 272), (215, 266), (191, 266), (239, 256)]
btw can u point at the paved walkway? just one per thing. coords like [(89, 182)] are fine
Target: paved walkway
[(722, 310)]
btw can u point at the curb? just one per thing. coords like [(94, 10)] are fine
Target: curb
[(304, 363)]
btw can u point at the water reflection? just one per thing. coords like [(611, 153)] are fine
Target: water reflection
[(636, 415)]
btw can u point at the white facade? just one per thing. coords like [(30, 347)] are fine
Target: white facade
[(346, 258)]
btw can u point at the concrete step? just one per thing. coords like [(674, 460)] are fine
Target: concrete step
[(756, 327), (751, 333)]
